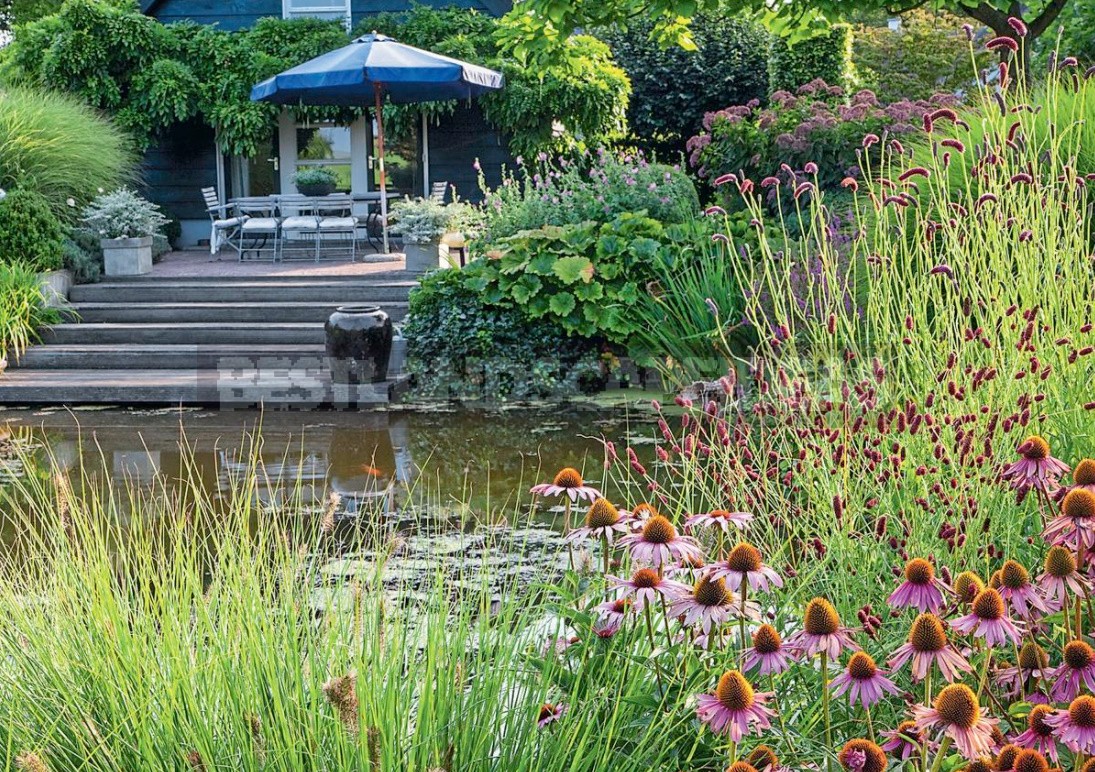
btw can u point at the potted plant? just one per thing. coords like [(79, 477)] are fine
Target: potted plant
[(315, 181), (421, 222), (32, 233), (125, 224)]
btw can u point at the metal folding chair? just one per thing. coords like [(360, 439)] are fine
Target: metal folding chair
[(336, 219), (300, 224), (225, 222), (261, 228)]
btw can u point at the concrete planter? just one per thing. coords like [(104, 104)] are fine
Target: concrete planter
[(422, 257), (55, 287), (127, 257)]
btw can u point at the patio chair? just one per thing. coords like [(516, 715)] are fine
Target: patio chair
[(438, 191), (261, 228), (336, 218), (224, 222), (299, 223)]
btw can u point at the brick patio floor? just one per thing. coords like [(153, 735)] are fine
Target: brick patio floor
[(199, 263)]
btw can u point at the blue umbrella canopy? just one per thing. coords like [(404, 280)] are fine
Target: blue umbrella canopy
[(372, 64)]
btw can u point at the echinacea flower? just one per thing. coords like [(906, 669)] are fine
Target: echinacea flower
[(550, 712), (741, 766), (1005, 758), (568, 482), (1075, 726), (1083, 476), (767, 653), (1029, 760), (863, 681), (1060, 579), (719, 519), (1036, 470), (734, 709), (607, 625), (1017, 590), (641, 513), (1039, 735), (957, 713), (709, 604), (967, 586), (1075, 526), (988, 619), (763, 759), (928, 645), (983, 764), (645, 585), (744, 566), (658, 542), (921, 589), (1077, 669), (903, 742), (862, 756), (1033, 665), (821, 632), (603, 521)]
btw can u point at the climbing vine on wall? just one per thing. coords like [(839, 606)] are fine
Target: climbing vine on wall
[(151, 76)]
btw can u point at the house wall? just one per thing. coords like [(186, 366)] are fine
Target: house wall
[(457, 141), (175, 170)]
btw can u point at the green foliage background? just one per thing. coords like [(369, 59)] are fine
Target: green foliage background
[(29, 231), (828, 57)]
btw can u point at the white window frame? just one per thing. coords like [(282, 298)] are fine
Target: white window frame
[(317, 8)]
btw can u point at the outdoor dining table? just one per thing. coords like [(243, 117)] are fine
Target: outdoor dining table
[(370, 199)]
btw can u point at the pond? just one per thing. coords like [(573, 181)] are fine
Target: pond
[(479, 460)]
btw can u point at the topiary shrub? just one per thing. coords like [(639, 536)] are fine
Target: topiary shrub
[(83, 256), (29, 231), (827, 57), (672, 88)]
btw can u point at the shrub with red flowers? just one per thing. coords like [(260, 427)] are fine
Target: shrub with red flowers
[(818, 124)]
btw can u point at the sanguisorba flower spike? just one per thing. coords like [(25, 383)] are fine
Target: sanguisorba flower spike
[(1075, 526), (921, 589), (821, 632), (744, 566), (646, 585), (658, 542), (718, 519), (988, 619), (863, 681), (927, 646), (568, 482), (957, 713), (734, 709), (1036, 469), (603, 521), (1076, 724), (767, 654)]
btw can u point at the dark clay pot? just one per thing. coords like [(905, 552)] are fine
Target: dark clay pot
[(359, 343), (316, 189)]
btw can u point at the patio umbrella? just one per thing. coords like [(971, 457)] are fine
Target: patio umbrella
[(372, 67)]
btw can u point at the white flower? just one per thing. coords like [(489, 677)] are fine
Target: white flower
[(3, 194), (70, 201)]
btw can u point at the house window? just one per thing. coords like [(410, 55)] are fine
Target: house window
[(322, 9), (326, 145)]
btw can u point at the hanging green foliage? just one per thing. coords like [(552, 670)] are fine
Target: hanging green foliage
[(151, 76)]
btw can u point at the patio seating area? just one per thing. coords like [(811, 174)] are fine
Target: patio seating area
[(297, 227)]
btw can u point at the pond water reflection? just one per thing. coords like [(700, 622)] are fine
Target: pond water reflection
[(486, 459)]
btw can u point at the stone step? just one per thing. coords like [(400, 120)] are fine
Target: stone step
[(327, 292), (170, 312), (195, 333), (295, 389)]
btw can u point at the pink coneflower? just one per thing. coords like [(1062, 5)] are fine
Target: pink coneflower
[(862, 756), (1060, 579), (1075, 526), (1076, 725), (615, 610), (560, 644), (1029, 760), (607, 625), (734, 709), (719, 519), (1017, 590), (1077, 669), (767, 654), (921, 589), (1039, 734), (903, 742), (744, 566), (1036, 470), (928, 645), (988, 619), (568, 482), (709, 604), (863, 681), (764, 759), (957, 712), (658, 542), (821, 632), (550, 712), (640, 514), (967, 586), (603, 521), (1033, 665), (645, 586)]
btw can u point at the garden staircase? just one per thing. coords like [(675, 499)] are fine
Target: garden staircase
[(232, 342)]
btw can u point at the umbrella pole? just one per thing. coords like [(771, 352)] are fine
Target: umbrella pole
[(380, 156)]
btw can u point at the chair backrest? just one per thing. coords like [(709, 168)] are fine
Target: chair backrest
[(295, 205), (211, 199), (337, 204), (263, 206), (438, 191)]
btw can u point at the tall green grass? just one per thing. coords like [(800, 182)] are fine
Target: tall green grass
[(23, 310), (53, 144)]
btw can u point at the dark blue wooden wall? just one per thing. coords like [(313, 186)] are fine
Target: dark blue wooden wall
[(177, 167), (457, 142)]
